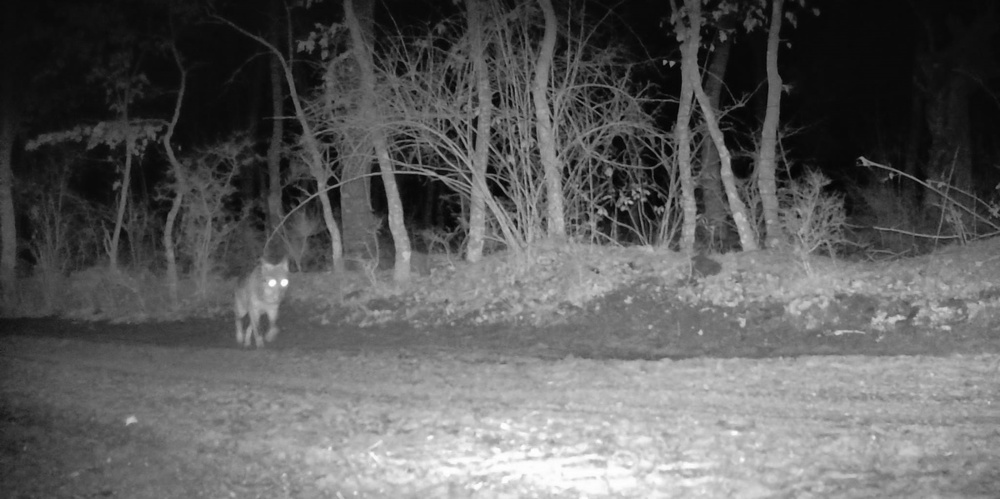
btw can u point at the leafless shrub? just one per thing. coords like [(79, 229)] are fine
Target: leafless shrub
[(811, 218)]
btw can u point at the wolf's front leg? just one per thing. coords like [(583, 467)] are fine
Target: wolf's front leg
[(272, 324), (239, 330), (253, 332)]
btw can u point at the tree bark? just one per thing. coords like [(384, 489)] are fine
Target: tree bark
[(766, 157), (370, 114), (274, 208), (958, 57), (691, 35), (556, 222), (355, 150), (709, 179), (950, 160), (484, 117), (180, 186), (9, 120), (736, 206), (123, 188)]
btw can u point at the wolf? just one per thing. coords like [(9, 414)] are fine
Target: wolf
[(257, 294)]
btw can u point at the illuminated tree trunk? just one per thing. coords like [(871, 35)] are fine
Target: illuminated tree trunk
[(370, 114), (123, 189), (766, 157), (556, 222), (692, 74), (484, 115), (682, 128), (180, 186), (709, 179)]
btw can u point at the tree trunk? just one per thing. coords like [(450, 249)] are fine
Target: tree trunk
[(8, 132), (314, 155), (691, 34), (274, 208), (747, 238), (911, 160), (123, 189), (713, 195), (739, 210), (766, 157), (363, 56), (356, 147), (950, 160), (180, 186), (556, 222), (956, 58), (484, 116)]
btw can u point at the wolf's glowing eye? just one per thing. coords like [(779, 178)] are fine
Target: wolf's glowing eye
[(284, 283), (272, 283)]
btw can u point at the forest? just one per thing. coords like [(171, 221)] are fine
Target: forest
[(520, 248), (172, 144)]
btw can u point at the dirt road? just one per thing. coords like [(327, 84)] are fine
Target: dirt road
[(86, 420)]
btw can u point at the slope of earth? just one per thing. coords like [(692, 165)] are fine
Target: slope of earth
[(90, 419), (586, 301), (644, 303)]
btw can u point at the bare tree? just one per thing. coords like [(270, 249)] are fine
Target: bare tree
[(180, 182)]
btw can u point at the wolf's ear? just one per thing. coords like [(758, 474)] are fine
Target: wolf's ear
[(283, 264)]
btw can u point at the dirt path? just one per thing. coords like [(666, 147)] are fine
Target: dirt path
[(86, 419)]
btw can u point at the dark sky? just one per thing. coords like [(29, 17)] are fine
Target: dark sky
[(850, 70)]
